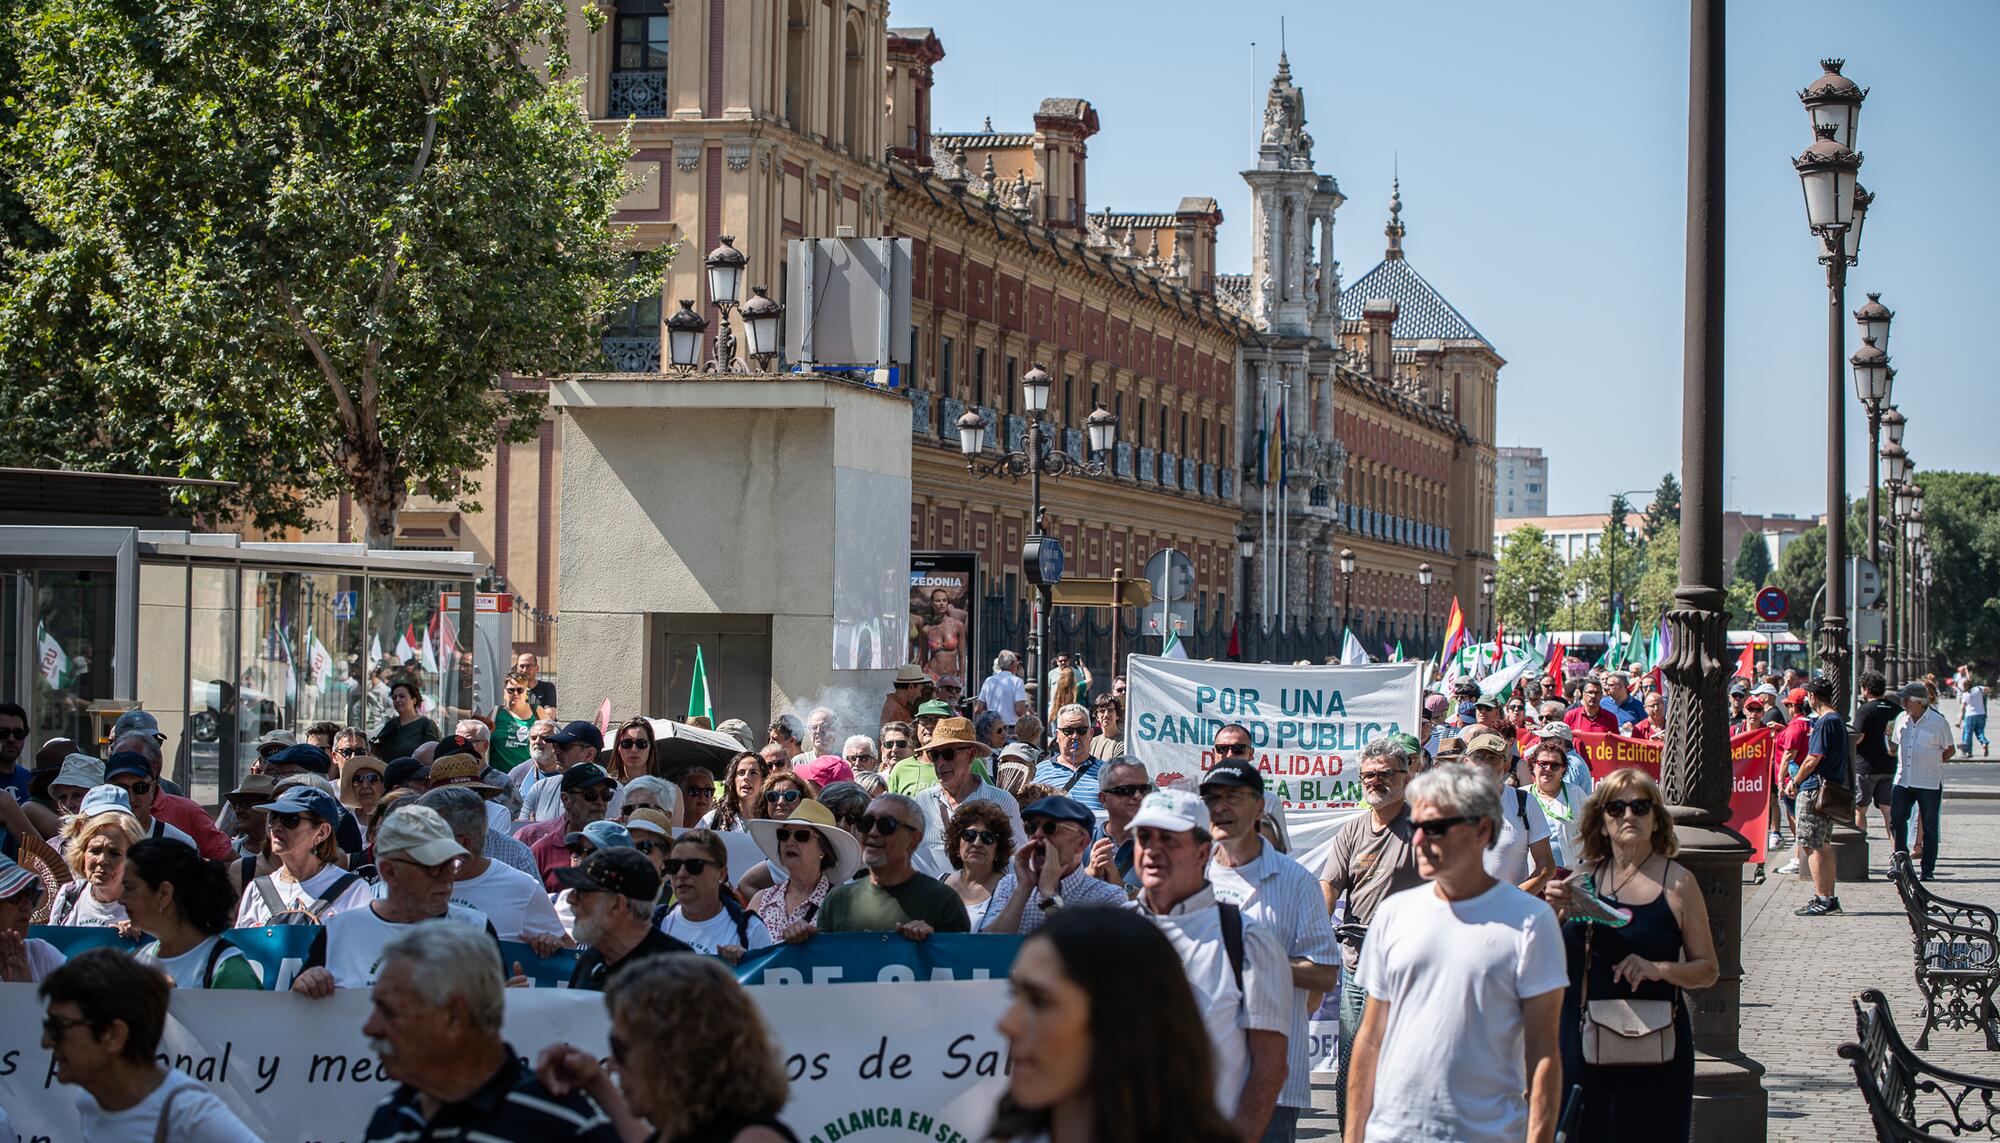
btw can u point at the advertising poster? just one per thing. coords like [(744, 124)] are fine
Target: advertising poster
[(943, 615)]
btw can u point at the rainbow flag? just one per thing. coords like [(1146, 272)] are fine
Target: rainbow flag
[(1454, 633)]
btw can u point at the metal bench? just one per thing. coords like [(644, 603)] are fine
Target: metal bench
[(1909, 1100), (1957, 950)]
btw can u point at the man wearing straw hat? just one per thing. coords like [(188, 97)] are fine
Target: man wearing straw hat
[(950, 754)]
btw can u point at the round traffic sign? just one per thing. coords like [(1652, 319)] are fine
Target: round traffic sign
[(1772, 604)]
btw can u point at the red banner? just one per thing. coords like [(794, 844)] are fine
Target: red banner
[(1749, 755)]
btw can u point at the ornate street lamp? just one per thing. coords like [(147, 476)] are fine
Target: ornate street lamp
[(684, 330), (1246, 551), (1424, 578), (1486, 601), (1871, 384), (1827, 173), (1346, 588), (725, 281), (1534, 607), (1041, 555), (761, 319)]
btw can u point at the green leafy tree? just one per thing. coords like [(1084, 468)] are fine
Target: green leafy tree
[(1615, 567), (298, 246), (1962, 529), (1665, 508), (1801, 572), (1753, 562), (1528, 558), (1653, 594)]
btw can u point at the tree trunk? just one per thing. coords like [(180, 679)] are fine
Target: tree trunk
[(379, 490)]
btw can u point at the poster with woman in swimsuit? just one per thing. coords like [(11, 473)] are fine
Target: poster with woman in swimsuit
[(941, 626)]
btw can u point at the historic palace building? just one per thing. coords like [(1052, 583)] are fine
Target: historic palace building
[(772, 120)]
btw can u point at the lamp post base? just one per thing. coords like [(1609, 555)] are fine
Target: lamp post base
[(1729, 1098), (1850, 853)]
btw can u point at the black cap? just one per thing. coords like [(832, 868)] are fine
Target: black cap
[(305, 756), (128, 762), (1739, 687), (583, 774), (1234, 772), (456, 744), (581, 730), (626, 872), (403, 771), (1058, 807)]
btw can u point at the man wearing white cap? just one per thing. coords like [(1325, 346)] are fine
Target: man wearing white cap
[(1241, 979), (418, 857)]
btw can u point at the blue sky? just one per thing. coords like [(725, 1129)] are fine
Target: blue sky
[(1543, 156)]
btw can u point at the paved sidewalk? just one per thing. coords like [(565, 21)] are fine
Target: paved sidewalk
[(1799, 973)]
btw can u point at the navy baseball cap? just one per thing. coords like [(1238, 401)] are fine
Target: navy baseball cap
[(1058, 807), (583, 774), (402, 771), (305, 756), (579, 731), (1234, 772), (304, 799), (128, 762)]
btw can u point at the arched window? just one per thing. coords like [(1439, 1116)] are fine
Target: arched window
[(639, 62), (852, 133)]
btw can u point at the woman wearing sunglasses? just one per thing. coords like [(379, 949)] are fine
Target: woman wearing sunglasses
[(309, 886), (739, 794), (646, 792), (780, 796), (706, 914), (979, 842), (632, 751), (1627, 847), (513, 720), (815, 855), (361, 785)]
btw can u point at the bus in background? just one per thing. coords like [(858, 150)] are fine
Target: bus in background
[(1776, 652)]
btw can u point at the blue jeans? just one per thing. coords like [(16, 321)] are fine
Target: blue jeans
[(1353, 1002), (1284, 1125), (1926, 803), (1974, 724)]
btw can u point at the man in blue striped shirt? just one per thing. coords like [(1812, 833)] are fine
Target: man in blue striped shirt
[(1069, 768), (1277, 893)]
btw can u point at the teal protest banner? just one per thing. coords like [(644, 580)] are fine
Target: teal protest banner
[(904, 1046)]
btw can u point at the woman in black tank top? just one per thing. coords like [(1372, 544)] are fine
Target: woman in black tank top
[(1627, 842)]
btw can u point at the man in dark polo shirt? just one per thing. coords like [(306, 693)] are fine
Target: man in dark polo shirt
[(614, 891), (436, 1024)]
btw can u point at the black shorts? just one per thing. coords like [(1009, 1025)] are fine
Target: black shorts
[(1872, 789)]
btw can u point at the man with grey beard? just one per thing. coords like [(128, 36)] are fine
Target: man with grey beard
[(1373, 855)]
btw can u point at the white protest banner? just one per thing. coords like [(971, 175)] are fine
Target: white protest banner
[(1307, 723), (868, 1061)]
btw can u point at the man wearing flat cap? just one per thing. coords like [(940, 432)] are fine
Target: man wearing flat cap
[(1923, 745), (1049, 869)]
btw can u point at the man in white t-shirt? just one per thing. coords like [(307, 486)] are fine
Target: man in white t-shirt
[(1521, 855), (418, 858), (950, 753), (1923, 746), (515, 902), (1972, 714), (105, 1016), (1003, 692), (1465, 979), (1242, 982)]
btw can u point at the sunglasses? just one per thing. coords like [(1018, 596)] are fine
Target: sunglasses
[(139, 789), (699, 790), (368, 778), (346, 751), (1081, 728), (1380, 775), (800, 835), (286, 820), (696, 866), (648, 847), (538, 738), (886, 827), (600, 794), (895, 744), (980, 837), (54, 1026), (1235, 750), (1438, 827), (1547, 765), (1132, 791), (1044, 827), (633, 744), (785, 796), (949, 752), (631, 806), (17, 734), (1640, 807)]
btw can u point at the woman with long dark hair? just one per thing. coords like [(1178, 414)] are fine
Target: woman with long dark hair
[(184, 902), (1106, 1042), (740, 784), (632, 749)]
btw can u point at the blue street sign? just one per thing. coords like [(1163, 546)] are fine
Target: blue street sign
[(346, 604)]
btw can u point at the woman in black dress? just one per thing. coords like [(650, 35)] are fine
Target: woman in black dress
[(1627, 843)]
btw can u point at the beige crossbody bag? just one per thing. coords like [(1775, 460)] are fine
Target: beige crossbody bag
[(1624, 1033)]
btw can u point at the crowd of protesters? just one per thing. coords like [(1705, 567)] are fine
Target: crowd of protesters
[(1494, 900)]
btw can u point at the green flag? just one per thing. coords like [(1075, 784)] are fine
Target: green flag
[(698, 700)]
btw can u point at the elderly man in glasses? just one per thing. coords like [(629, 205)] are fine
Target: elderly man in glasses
[(894, 897), (1126, 784), (1049, 872), (951, 752), (1070, 768)]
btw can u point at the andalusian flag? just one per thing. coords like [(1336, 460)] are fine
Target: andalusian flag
[(1454, 633), (1172, 648), (698, 701), (1351, 651), (51, 659), (1614, 645)]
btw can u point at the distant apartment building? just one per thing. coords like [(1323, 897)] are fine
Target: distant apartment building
[(1578, 536), (1522, 487)]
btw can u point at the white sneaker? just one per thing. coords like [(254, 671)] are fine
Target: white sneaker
[(1791, 866), (1775, 841)]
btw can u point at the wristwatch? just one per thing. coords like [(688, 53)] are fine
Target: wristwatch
[(1050, 904)]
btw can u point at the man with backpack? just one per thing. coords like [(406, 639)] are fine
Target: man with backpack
[(1241, 979), (1522, 855)]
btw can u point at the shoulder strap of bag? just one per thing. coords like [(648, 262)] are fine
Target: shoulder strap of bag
[(333, 892), (1078, 775), (166, 1115), (1232, 939), (269, 892), (1521, 807), (66, 903)]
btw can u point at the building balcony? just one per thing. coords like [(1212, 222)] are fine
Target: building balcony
[(639, 94), (632, 354)]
